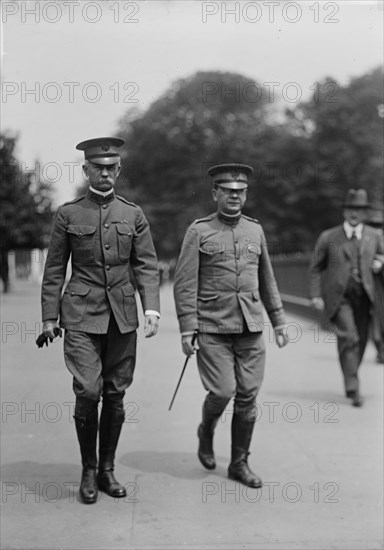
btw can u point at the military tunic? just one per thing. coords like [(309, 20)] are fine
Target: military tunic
[(108, 240), (223, 276)]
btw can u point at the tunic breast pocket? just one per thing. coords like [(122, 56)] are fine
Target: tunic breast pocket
[(83, 241), (212, 252), (251, 252), (124, 242)]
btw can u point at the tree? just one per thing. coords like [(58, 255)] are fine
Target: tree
[(26, 206), (344, 126), (304, 159), (202, 120)]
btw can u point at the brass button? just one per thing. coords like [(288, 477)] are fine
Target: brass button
[(108, 287), (107, 267), (105, 205), (107, 246), (80, 234), (106, 225)]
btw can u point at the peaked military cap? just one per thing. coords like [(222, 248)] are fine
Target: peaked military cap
[(356, 198), (230, 176), (101, 150)]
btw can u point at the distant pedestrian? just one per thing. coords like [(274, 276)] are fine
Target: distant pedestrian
[(107, 238), (342, 271), (376, 219), (223, 277)]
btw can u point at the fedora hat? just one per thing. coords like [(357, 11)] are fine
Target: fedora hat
[(356, 198)]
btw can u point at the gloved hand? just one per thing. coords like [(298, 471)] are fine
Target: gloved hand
[(51, 329)]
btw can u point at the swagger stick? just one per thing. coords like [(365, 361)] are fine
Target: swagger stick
[(182, 372)]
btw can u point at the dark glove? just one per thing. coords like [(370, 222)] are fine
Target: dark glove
[(43, 338)]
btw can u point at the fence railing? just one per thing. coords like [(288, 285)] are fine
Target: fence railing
[(291, 271)]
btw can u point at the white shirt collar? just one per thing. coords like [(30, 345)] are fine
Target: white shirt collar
[(358, 229), (102, 193)]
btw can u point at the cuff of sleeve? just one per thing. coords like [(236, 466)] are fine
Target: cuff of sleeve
[(188, 333), (152, 312)]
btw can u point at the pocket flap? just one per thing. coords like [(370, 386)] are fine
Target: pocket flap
[(128, 290), (210, 250), (207, 298), (123, 229), (81, 230), (77, 290)]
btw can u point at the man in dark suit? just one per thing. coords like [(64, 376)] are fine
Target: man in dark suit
[(106, 238), (376, 219), (341, 282), (222, 277)]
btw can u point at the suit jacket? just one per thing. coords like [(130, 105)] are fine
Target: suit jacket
[(106, 238), (330, 267), (222, 272)]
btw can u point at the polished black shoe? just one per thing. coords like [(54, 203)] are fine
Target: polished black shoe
[(109, 484), (240, 471), (205, 451), (88, 486), (357, 400)]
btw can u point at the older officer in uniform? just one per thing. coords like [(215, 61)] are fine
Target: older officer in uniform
[(106, 237), (223, 276), (341, 282)]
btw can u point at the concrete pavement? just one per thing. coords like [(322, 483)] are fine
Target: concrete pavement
[(321, 459)]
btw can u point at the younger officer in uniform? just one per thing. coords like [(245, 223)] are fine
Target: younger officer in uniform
[(223, 274), (105, 236)]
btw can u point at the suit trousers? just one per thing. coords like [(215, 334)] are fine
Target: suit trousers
[(352, 323), (232, 365), (101, 364)]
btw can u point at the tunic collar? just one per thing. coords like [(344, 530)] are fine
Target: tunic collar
[(99, 198), (227, 219)]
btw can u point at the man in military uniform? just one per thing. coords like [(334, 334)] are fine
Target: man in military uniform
[(341, 283), (107, 237), (223, 276)]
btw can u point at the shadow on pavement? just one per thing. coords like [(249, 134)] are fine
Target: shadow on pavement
[(175, 464)]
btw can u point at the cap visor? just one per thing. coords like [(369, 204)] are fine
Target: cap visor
[(233, 185), (105, 161)]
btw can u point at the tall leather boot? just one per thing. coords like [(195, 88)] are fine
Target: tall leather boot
[(241, 439), (86, 429), (205, 433), (111, 421)]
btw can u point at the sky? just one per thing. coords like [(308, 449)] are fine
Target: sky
[(72, 69)]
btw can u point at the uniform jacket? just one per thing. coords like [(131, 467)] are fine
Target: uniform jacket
[(222, 273), (106, 238), (331, 265)]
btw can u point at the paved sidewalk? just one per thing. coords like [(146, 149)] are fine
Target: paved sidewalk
[(321, 459)]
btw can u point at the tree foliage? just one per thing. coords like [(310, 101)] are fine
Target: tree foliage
[(26, 206), (304, 159)]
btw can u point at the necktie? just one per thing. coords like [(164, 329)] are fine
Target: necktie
[(355, 256)]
